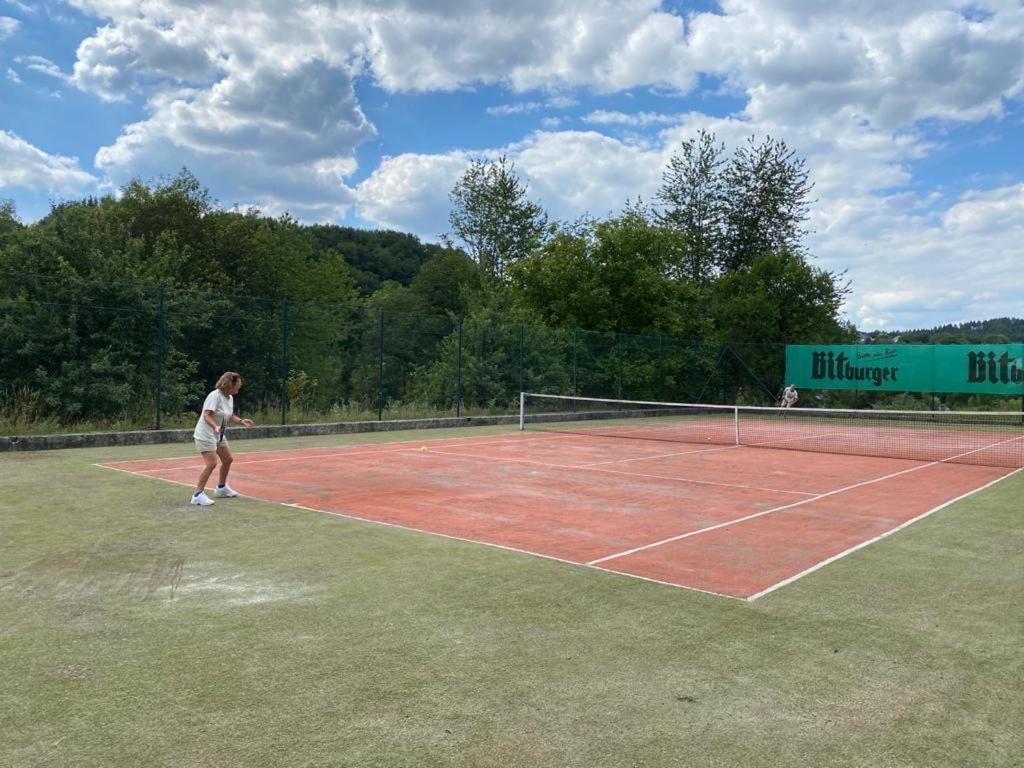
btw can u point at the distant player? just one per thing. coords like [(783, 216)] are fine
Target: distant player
[(789, 397)]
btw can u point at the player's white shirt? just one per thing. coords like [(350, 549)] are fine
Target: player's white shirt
[(222, 406), (789, 396)]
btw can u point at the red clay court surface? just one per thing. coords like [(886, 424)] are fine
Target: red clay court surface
[(735, 521)]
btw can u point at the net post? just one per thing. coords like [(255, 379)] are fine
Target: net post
[(522, 411), (736, 422)]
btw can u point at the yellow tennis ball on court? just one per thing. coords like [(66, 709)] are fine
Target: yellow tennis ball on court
[(423, 447)]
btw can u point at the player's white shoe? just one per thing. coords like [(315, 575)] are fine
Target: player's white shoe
[(226, 491), (201, 499)]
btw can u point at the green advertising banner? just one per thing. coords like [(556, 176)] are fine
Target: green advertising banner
[(991, 369)]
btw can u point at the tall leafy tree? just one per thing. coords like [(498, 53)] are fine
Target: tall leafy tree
[(609, 275), (448, 281), (693, 195), (9, 223), (493, 217), (782, 299), (767, 191)]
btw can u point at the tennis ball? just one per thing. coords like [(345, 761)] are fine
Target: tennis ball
[(423, 447)]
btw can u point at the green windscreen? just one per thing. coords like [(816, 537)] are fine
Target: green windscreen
[(992, 369)]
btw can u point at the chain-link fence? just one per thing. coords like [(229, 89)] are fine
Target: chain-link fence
[(91, 355)]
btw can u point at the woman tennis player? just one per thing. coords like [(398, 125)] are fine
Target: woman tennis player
[(218, 412)]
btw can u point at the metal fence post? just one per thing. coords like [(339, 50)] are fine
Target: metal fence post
[(658, 374), (522, 356), (284, 361), (161, 333), (574, 381), (458, 373), (619, 354), (380, 365)]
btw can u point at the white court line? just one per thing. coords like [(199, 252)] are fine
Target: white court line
[(239, 459), (660, 455), (423, 531), (516, 436), (594, 563), (881, 536), (501, 546), (787, 506), (620, 472), (240, 464)]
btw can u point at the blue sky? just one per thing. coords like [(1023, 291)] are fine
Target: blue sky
[(910, 116)]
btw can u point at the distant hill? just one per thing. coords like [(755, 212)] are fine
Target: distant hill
[(375, 256), (999, 330)]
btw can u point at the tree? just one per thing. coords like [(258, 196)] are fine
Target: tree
[(693, 194), (493, 217), (447, 282), (781, 298), (9, 223), (609, 275), (766, 203)]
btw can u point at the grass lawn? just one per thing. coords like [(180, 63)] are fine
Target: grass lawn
[(136, 630)]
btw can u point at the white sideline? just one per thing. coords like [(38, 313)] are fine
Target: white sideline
[(798, 504), (450, 537), (337, 452), (594, 564), (879, 537), (596, 468)]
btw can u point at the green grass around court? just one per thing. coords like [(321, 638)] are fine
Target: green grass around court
[(136, 630)]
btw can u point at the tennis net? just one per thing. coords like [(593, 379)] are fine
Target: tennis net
[(963, 437)]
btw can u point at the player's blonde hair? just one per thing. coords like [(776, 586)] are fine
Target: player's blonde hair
[(227, 380)]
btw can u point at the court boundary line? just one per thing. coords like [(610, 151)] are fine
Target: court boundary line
[(879, 537), (450, 537), (240, 463), (756, 515), (594, 564), (239, 457), (593, 468)]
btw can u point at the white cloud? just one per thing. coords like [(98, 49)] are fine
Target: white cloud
[(570, 173), (911, 270), (112, 63), (410, 192), (279, 139), (8, 27), (560, 101), (573, 173), (27, 167), (980, 212), (891, 64), (603, 117), (43, 66), (522, 108), (13, 76)]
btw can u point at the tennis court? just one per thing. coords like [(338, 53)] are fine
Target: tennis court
[(681, 500)]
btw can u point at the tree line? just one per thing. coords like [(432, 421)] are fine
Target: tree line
[(998, 330), (111, 301)]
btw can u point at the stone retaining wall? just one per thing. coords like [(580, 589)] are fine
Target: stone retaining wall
[(153, 437)]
